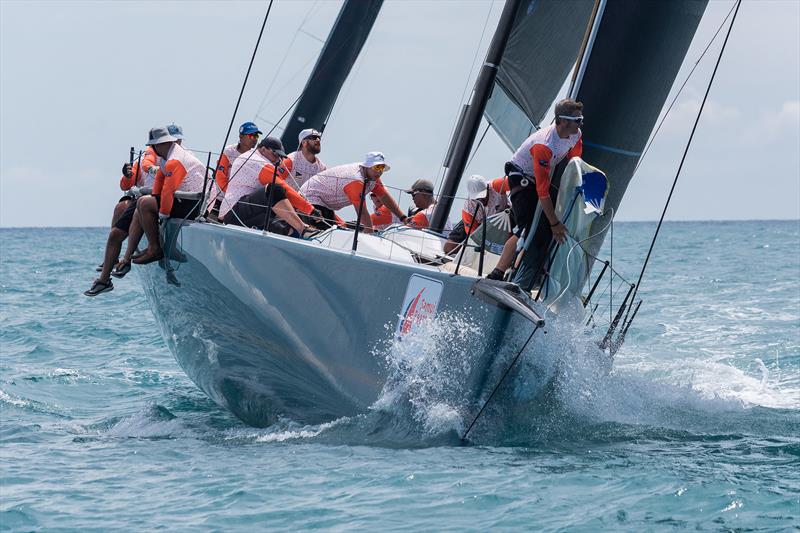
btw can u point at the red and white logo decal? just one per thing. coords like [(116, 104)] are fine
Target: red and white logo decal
[(420, 303)]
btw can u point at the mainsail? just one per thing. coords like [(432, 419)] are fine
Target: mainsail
[(341, 50), (541, 49), (636, 54)]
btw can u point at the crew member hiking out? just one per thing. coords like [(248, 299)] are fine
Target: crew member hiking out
[(530, 171), (338, 187)]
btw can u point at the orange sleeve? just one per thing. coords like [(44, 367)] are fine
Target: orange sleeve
[(295, 198), (172, 180), (353, 192), (149, 159), (379, 189), (468, 220), (223, 172), (381, 216), (126, 183), (420, 220), (576, 151), (500, 185), (542, 155)]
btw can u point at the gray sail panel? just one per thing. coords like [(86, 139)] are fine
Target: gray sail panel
[(347, 37), (541, 50), (637, 53)]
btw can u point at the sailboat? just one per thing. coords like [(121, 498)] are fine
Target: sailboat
[(270, 326)]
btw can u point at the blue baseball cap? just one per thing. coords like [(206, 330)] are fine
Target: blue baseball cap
[(249, 128)]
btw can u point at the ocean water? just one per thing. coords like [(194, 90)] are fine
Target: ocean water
[(696, 427)]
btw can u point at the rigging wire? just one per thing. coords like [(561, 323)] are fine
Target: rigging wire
[(685, 152), (246, 76)]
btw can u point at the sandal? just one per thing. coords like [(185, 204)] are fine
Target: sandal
[(121, 269), (99, 287), (147, 258)]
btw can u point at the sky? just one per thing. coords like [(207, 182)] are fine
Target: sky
[(82, 82)]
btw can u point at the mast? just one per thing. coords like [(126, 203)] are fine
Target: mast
[(347, 37), (464, 137)]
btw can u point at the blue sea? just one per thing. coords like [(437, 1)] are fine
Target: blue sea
[(696, 427)]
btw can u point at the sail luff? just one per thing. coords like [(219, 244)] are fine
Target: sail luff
[(341, 49), (472, 119)]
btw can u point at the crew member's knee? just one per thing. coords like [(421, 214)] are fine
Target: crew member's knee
[(117, 235)]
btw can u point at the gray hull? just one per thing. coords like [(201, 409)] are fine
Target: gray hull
[(269, 326)]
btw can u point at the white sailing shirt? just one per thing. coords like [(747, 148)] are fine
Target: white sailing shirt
[(302, 170)]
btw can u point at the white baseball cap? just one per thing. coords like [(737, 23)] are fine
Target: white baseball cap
[(308, 132), (476, 187), (375, 158)]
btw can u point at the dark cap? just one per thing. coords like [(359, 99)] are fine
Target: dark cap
[(421, 185), (271, 143)]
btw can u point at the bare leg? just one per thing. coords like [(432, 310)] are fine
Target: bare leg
[(508, 254), (147, 208), (285, 211), (451, 246), (134, 237), (113, 247), (118, 210)]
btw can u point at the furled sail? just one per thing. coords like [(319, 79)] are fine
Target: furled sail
[(541, 49), (341, 50), (637, 52)]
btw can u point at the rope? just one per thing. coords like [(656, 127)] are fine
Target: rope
[(685, 152), (489, 399)]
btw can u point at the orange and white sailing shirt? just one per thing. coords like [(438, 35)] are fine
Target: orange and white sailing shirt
[(222, 175), (252, 171), (382, 218), (149, 163), (338, 187), (303, 170), (496, 201), (181, 171), (538, 155), (422, 219)]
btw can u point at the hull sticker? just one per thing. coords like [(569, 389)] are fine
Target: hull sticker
[(420, 303)]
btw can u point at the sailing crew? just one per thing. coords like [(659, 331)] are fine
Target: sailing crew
[(381, 217), (248, 137), (159, 141), (492, 196), (338, 187), (259, 180), (530, 171), (305, 162), (179, 170), (255, 170), (421, 192)]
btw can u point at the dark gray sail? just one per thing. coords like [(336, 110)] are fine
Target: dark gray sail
[(635, 57), (341, 50), (541, 50)]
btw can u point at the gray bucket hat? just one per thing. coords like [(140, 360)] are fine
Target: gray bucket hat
[(160, 135)]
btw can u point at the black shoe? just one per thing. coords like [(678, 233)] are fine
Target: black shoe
[(99, 287), (496, 274), (119, 272), (99, 268)]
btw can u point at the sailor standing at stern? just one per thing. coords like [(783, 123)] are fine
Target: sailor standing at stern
[(530, 171)]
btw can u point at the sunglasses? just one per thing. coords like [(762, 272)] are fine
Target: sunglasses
[(251, 135), (312, 138), (578, 120), (379, 168)]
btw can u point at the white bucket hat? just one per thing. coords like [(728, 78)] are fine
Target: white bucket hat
[(375, 158), (476, 187), (308, 132), (175, 130), (160, 135)]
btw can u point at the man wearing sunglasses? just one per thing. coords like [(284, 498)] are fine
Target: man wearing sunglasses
[(530, 171), (338, 187), (248, 137), (305, 162)]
